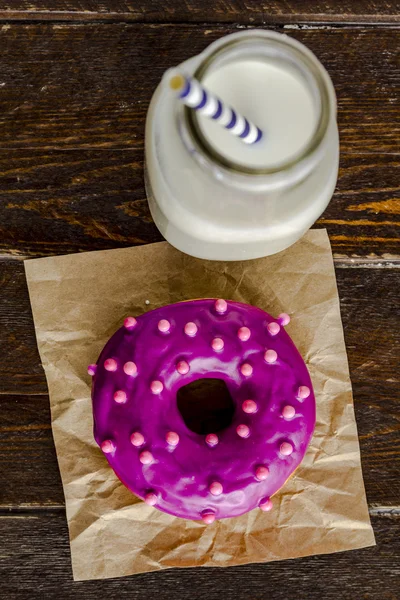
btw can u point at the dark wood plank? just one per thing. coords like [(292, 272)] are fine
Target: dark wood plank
[(17, 334), (56, 202), (88, 86), (362, 218), (220, 11), (88, 89), (28, 463), (35, 562), (369, 300)]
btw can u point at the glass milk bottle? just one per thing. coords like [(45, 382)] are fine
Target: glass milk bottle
[(215, 197)]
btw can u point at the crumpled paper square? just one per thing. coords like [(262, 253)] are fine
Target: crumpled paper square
[(79, 300)]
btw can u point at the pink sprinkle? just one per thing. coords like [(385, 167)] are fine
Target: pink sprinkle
[(120, 397), (217, 344), (212, 439), (182, 367), (284, 319), (150, 499), (172, 438), (273, 328), (130, 322), (262, 473), (130, 368), (221, 306), (286, 449), (243, 431), (249, 406), (246, 369), (156, 387), (164, 325), (303, 392), (108, 446), (146, 457), (137, 439), (288, 412), (110, 364), (244, 334), (216, 488), (191, 329), (270, 356), (266, 504), (92, 370), (208, 517)]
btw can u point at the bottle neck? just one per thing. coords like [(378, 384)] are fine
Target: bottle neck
[(286, 56)]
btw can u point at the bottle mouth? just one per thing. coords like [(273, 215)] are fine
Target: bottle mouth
[(283, 52)]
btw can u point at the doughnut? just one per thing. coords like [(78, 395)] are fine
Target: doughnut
[(211, 471)]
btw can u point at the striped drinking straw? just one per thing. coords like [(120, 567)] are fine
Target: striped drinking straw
[(193, 94)]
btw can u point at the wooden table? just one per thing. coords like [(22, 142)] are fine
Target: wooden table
[(76, 77)]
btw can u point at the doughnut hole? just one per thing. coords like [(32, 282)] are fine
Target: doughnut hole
[(206, 405)]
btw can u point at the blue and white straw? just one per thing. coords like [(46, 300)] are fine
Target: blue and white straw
[(193, 94)]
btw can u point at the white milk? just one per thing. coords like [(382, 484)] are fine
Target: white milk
[(214, 197), (276, 100)]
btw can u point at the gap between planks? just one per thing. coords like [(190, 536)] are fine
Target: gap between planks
[(361, 262), (31, 512), (387, 261), (281, 22)]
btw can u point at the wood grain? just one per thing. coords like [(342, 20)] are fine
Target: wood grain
[(20, 356), (219, 11), (56, 202), (67, 201), (72, 127), (28, 463), (88, 86), (372, 339), (36, 563)]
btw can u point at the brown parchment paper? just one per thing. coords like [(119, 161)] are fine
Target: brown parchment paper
[(79, 300)]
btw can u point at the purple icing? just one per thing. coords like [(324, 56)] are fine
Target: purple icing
[(180, 476)]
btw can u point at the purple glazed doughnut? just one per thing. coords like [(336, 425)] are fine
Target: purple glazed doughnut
[(141, 431)]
